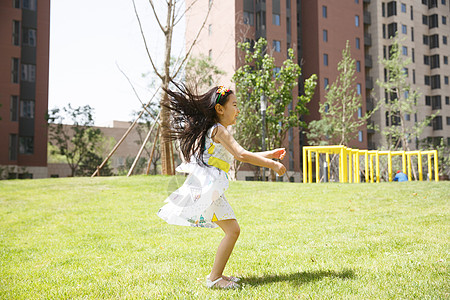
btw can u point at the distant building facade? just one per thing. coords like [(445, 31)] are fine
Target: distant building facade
[(24, 67)]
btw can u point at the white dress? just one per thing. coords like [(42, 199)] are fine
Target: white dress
[(200, 201)]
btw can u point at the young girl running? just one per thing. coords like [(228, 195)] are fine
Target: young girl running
[(200, 123)]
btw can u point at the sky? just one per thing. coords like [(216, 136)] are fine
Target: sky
[(90, 41)]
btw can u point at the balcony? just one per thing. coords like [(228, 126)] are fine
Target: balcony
[(369, 83), (370, 127), (367, 39), (366, 1), (369, 104), (367, 19), (368, 61)]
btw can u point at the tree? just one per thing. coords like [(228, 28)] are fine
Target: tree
[(201, 73), (259, 77), (76, 141), (339, 121), (167, 73), (400, 101)]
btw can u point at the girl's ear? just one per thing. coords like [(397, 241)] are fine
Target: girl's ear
[(219, 109)]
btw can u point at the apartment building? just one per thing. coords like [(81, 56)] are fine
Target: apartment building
[(24, 65), (424, 28)]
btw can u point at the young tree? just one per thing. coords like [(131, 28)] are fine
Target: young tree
[(259, 77), (401, 101), (172, 16), (339, 121), (201, 73), (78, 142)]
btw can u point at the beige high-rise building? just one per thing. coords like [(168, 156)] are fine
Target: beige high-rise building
[(424, 28)]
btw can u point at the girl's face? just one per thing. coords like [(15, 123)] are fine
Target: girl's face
[(228, 113)]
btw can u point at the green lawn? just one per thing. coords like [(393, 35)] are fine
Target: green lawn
[(100, 238)]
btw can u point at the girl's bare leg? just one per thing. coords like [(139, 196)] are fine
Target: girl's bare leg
[(232, 231)]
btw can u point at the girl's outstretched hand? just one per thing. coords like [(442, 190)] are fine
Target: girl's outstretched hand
[(279, 153), (279, 168)]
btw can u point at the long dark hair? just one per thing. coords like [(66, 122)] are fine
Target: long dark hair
[(190, 117)]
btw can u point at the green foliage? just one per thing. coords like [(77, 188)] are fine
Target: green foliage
[(201, 73), (443, 154), (339, 122), (401, 100), (100, 238), (258, 77), (77, 143)]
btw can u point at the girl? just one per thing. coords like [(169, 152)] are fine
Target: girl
[(200, 123)]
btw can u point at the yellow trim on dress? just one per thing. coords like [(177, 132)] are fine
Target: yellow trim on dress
[(218, 163)]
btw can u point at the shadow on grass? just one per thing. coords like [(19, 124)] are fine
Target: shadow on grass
[(297, 278)]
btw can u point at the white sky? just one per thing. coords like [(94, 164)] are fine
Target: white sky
[(87, 39)]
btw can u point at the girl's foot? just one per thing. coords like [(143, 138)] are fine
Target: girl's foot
[(231, 278), (221, 283)]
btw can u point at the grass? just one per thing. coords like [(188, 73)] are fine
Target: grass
[(83, 238)]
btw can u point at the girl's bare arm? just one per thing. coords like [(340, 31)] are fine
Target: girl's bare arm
[(226, 139)]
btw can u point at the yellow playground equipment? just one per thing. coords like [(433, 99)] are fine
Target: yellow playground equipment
[(349, 163)]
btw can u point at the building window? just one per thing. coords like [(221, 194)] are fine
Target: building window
[(444, 20), (434, 41), (403, 7), (384, 52), (210, 53), (404, 29), (384, 31), (27, 109), (432, 3), (26, 145), (29, 37), (428, 100), (405, 50), (13, 147), (392, 29), (16, 3), (411, 12), (14, 109), (325, 35), (288, 26), (16, 33), (357, 21), (360, 136), (29, 4), (325, 59), (358, 88), (15, 70), (407, 117), (356, 1), (434, 61), (277, 46), (436, 102), (28, 73), (413, 55), (445, 60), (426, 40), (435, 82), (437, 123), (358, 66), (358, 43), (427, 80), (446, 80), (433, 21), (406, 71), (248, 18), (325, 83), (444, 39), (324, 11), (443, 2), (392, 8), (276, 71), (383, 9), (447, 101), (412, 34), (359, 112), (448, 121), (424, 20), (414, 76), (276, 20)]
